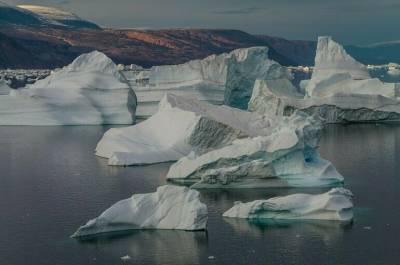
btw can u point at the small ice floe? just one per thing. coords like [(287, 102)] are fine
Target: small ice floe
[(170, 207), (333, 205), (126, 258)]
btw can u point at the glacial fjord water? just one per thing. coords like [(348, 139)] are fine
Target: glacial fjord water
[(51, 183)]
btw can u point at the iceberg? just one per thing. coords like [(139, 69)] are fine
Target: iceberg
[(219, 79), (286, 157), (180, 126), (340, 90), (89, 91), (332, 59), (170, 207), (334, 205)]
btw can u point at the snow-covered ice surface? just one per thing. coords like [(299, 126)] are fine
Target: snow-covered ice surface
[(4, 88), (89, 91), (220, 79), (340, 90), (170, 207), (335, 205), (180, 126), (285, 157)]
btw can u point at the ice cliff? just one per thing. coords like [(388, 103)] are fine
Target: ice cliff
[(170, 207), (180, 126), (220, 79), (340, 90), (88, 91), (334, 205)]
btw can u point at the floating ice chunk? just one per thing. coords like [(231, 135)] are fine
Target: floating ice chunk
[(334, 205), (88, 91), (339, 91), (337, 72), (180, 126), (219, 79), (126, 258), (170, 207), (284, 158)]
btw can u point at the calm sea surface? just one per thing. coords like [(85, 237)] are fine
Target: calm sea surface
[(51, 183)]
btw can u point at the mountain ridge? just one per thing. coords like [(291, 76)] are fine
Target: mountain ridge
[(31, 43)]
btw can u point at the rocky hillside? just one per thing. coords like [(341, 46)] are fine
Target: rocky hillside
[(54, 47)]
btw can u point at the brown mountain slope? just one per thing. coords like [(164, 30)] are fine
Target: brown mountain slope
[(300, 51), (54, 47)]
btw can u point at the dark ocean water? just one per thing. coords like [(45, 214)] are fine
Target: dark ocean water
[(51, 183)]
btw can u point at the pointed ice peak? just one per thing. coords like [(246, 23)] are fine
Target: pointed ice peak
[(94, 61), (331, 58)]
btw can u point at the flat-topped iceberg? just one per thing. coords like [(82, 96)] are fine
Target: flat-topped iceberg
[(170, 207), (219, 79), (335, 205), (286, 157), (180, 126), (89, 91), (340, 90)]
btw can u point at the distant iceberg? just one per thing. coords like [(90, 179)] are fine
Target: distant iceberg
[(219, 79), (181, 125), (335, 205), (170, 207), (340, 90), (89, 91)]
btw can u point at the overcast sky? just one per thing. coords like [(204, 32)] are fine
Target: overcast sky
[(348, 21)]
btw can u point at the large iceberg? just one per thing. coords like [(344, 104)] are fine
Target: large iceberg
[(89, 91), (170, 207), (285, 157), (332, 60), (180, 126), (219, 79), (335, 205), (340, 90)]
